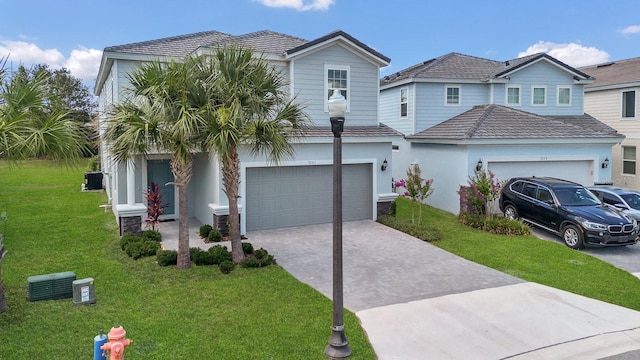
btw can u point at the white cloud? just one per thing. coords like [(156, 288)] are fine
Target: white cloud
[(572, 54), (82, 63), (633, 29), (300, 5)]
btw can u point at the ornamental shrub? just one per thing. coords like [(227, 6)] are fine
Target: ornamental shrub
[(214, 235), (482, 190), (247, 248), (167, 257), (142, 248), (417, 189), (128, 238), (422, 232), (205, 230), (227, 266), (220, 254), (250, 262), (495, 224), (202, 258), (153, 235)]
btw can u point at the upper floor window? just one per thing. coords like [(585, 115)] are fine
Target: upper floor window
[(513, 95), (337, 79), (538, 95), (629, 104), (564, 95), (404, 101), (629, 160), (452, 95)]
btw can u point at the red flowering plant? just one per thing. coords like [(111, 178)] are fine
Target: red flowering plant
[(416, 189), (482, 190), (155, 207)]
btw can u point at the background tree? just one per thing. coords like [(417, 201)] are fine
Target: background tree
[(63, 93), (250, 110), (28, 130)]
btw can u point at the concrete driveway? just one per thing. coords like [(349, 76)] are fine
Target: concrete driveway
[(623, 257), (416, 301)]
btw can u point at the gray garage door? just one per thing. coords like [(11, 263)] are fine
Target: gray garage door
[(302, 195)]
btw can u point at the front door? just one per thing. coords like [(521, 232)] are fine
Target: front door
[(159, 172)]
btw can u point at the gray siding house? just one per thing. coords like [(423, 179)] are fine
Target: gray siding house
[(521, 117), (298, 191)]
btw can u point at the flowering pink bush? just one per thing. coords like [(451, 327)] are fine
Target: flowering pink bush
[(482, 190), (416, 188)]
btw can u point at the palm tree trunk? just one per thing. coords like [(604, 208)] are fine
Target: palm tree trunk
[(182, 174), (231, 180)]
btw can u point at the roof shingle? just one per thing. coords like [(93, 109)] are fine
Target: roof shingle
[(494, 122), (614, 73)]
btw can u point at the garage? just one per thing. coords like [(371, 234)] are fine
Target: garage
[(580, 171), (303, 195)]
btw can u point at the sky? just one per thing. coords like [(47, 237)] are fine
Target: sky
[(73, 33)]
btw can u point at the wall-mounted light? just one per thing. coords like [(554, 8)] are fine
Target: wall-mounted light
[(479, 165), (605, 163), (384, 165)]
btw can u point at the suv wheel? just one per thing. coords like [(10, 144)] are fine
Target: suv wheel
[(511, 212), (572, 237)]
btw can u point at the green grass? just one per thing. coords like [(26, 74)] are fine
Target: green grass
[(533, 259), (199, 313)]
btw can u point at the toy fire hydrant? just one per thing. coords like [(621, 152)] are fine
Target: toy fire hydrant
[(116, 343)]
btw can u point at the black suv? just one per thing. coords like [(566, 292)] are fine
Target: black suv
[(569, 210)]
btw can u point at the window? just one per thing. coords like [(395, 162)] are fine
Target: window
[(629, 104), (629, 160), (403, 102), (337, 79), (453, 95), (538, 95), (513, 95), (564, 95)]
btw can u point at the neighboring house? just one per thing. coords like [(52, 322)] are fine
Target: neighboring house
[(522, 117), (613, 99), (299, 190)]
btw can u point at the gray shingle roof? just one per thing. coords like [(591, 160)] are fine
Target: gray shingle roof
[(494, 122), (614, 73), (457, 66), (180, 46), (381, 130)]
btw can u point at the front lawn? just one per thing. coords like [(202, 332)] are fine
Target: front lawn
[(532, 259), (168, 314)]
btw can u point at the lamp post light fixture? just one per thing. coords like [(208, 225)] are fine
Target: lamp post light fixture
[(338, 347)]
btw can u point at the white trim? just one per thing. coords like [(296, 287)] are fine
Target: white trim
[(538, 86), (406, 90), (328, 67), (387, 197), (506, 94), (558, 88), (219, 210), (446, 97)]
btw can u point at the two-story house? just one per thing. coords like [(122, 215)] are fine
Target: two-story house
[(613, 99), (299, 190), (522, 117)]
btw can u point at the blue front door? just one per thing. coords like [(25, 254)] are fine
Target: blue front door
[(159, 172)]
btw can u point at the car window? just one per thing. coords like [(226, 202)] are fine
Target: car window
[(517, 186), (610, 199), (544, 195), (530, 190), (576, 196), (633, 200)]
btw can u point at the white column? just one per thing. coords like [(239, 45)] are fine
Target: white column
[(131, 183)]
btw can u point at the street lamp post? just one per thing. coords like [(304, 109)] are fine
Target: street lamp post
[(338, 347)]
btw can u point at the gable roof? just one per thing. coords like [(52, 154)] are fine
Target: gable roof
[(497, 122), (265, 42), (455, 66), (615, 74)]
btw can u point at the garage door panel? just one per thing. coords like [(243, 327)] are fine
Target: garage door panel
[(303, 195), (580, 171)]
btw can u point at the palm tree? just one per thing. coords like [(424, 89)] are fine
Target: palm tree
[(162, 115), (250, 109), (28, 131)]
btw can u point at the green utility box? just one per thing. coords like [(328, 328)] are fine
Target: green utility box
[(50, 286)]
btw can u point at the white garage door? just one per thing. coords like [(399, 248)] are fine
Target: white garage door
[(576, 171), (303, 195)]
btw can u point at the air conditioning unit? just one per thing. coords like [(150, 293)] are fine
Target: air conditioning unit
[(84, 292), (50, 286)]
